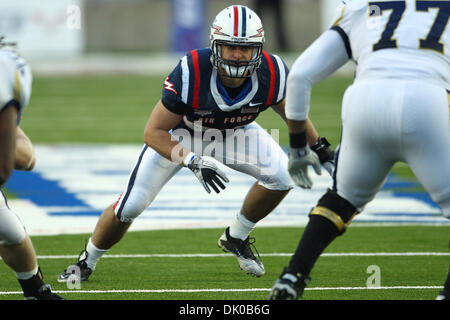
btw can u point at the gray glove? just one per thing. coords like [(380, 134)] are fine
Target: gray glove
[(208, 173), (299, 160)]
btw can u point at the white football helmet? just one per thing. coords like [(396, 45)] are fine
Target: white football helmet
[(240, 26)]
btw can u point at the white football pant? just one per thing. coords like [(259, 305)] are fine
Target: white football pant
[(250, 150), (12, 230), (390, 120)]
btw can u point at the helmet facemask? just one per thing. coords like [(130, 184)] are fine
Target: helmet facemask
[(232, 68)]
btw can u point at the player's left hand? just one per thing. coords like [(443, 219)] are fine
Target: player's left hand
[(299, 160), (207, 173), (325, 154)]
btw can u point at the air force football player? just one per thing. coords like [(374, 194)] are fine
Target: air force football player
[(396, 110), (212, 97), (16, 248)]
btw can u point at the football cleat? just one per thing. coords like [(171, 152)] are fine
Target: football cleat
[(45, 293), (241, 249), (80, 270), (289, 286)]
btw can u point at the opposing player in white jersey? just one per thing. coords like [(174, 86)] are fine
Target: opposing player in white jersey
[(396, 110), (16, 248), (213, 94)]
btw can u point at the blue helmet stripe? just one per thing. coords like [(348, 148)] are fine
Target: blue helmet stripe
[(244, 21)]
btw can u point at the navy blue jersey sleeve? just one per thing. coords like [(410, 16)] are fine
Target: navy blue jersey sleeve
[(171, 93), (272, 75), (282, 87)]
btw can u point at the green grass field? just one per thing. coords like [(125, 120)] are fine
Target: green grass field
[(114, 109), (402, 277)]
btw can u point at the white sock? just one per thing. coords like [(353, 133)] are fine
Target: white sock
[(241, 227), (27, 274), (94, 254)]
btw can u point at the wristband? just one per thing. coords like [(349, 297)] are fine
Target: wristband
[(188, 159), (297, 140)]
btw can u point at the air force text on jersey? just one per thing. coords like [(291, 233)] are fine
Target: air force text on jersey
[(247, 144)]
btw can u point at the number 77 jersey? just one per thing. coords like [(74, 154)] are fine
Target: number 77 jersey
[(399, 39)]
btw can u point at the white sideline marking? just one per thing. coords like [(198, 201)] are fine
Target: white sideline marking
[(229, 290), (215, 255)]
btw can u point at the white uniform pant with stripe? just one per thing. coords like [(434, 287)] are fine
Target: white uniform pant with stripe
[(12, 230), (386, 121), (250, 150)]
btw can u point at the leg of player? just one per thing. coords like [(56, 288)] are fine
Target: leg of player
[(360, 173), (108, 231), (428, 152), (258, 203), (150, 174), (273, 184), (21, 258), (328, 220)]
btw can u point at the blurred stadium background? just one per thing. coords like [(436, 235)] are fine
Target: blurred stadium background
[(76, 36), (98, 69)]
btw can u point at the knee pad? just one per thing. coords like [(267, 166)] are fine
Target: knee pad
[(336, 209), (276, 186), (130, 206), (12, 230), (278, 180)]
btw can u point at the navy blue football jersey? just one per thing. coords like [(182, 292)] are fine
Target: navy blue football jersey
[(195, 90)]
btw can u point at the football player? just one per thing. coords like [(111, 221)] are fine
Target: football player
[(16, 248), (212, 97), (396, 110)]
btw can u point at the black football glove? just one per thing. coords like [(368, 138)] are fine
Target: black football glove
[(325, 154), (207, 173)]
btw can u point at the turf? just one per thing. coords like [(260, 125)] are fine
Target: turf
[(114, 109), (222, 272)]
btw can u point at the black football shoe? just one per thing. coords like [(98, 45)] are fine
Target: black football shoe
[(44, 293), (241, 249), (78, 271), (289, 286)]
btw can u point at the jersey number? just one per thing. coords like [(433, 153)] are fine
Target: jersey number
[(398, 8)]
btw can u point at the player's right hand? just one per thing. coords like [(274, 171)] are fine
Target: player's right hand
[(207, 173), (299, 160), (326, 154)]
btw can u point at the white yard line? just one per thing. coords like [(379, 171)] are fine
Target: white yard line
[(219, 255), (230, 290), (206, 255)]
